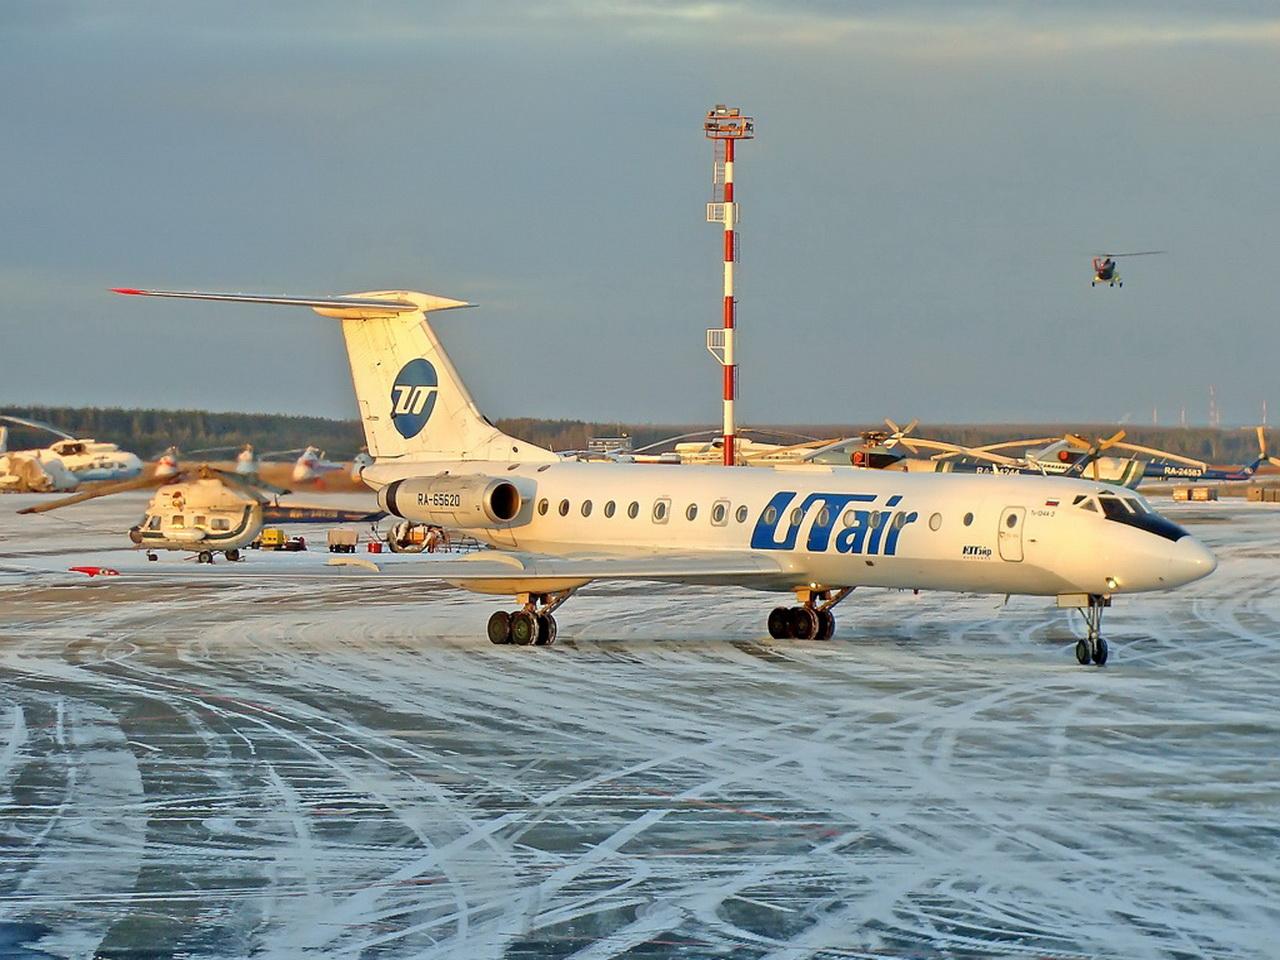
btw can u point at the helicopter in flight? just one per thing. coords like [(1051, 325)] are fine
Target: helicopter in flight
[(203, 510), (1105, 270)]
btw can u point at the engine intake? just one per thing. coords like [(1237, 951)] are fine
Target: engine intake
[(477, 502)]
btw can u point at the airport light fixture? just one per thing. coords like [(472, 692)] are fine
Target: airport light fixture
[(725, 126)]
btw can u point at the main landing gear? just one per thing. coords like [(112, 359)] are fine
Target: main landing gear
[(1093, 647), (533, 623), (811, 620)]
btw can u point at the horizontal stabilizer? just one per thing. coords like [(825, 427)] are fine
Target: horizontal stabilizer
[(380, 303)]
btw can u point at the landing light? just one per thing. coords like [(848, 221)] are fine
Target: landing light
[(1112, 583)]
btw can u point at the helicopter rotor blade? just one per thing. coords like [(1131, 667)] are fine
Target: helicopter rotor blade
[(955, 449), (35, 425), (102, 490), (1138, 253), (1158, 454), (899, 434), (992, 447), (245, 483)]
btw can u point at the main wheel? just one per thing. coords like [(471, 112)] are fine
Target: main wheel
[(233, 555), (1100, 652), (152, 556), (826, 625), (524, 627), (499, 628), (780, 623), (204, 557), (546, 630), (1082, 652), (804, 623)]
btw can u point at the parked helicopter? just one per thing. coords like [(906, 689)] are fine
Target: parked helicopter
[(62, 465), (205, 510), (312, 465), (1066, 456), (1172, 466), (1105, 271)]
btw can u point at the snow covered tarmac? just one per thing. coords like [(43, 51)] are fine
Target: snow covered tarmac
[(328, 765)]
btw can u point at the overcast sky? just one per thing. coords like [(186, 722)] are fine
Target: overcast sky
[(927, 184)]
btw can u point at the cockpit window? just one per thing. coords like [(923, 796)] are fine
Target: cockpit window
[(1114, 508), (1131, 513)]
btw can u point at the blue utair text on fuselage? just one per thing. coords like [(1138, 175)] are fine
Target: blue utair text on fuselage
[(862, 530)]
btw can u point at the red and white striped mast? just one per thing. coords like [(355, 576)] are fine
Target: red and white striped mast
[(725, 126)]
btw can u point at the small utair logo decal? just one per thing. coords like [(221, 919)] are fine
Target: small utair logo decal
[(413, 397)]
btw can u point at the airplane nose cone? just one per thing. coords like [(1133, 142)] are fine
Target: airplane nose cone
[(1191, 560)]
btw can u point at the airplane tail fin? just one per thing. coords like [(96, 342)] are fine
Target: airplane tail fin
[(412, 402), (1252, 468)]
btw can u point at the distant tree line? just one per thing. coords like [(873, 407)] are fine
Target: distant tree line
[(149, 432)]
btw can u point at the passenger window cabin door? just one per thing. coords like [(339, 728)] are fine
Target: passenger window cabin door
[(1010, 537)]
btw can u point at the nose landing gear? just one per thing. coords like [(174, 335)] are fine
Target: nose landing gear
[(811, 620), (1093, 647)]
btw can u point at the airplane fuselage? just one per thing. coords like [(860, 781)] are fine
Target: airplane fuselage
[(841, 526)]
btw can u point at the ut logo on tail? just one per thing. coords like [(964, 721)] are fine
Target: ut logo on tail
[(413, 397)]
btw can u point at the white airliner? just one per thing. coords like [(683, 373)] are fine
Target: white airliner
[(815, 531)]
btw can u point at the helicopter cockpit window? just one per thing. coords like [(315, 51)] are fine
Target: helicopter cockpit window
[(153, 523)]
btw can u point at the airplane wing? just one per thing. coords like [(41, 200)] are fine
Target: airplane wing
[(717, 567), (486, 571)]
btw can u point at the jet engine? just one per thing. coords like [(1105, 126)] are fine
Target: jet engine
[(476, 502)]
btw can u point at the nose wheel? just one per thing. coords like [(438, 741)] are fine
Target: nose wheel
[(1092, 648)]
